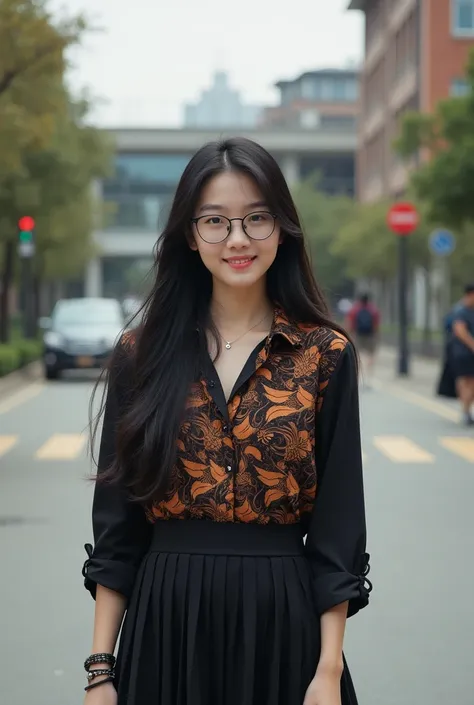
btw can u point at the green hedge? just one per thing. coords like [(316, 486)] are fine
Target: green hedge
[(18, 354)]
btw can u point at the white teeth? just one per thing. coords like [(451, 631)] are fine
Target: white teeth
[(240, 261)]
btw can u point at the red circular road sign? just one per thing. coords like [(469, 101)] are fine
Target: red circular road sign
[(403, 218), (26, 223)]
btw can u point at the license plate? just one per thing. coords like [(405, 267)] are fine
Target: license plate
[(84, 361)]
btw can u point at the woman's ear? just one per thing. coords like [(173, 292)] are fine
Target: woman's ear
[(191, 239)]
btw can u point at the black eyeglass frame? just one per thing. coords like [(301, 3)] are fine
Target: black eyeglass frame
[(230, 221)]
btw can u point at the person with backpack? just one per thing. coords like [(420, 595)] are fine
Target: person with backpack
[(363, 323)]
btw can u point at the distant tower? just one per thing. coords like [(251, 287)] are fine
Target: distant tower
[(220, 106)]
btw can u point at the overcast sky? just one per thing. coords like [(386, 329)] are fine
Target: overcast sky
[(154, 55)]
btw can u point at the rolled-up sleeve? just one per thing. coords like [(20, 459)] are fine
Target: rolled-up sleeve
[(121, 531), (336, 539)]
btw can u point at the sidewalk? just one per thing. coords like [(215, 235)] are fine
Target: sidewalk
[(419, 387), (20, 378), (423, 371)]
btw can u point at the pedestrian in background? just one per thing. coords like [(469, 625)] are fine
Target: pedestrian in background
[(364, 323), (447, 381), (461, 353), (231, 432)]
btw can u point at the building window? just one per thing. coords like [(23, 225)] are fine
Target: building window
[(327, 90), (338, 122), (459, 87), (463, 18), (150, 168), (142, 185), (307, 89)]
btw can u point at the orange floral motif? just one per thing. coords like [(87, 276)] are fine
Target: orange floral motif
[(273, 496), (253, 460), (298, 443), (245, 512), (307, 362), (264, 436)]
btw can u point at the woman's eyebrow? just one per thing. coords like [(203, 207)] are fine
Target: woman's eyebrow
[(216, 207)]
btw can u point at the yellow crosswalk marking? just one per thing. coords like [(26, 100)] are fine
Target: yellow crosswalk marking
[(7, 443), (460, 445), (61, 446), (400, 449)]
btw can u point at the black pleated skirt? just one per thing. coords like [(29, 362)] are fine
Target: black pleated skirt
[(221, 614)]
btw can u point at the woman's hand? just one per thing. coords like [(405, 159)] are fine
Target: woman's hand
[(325, 688), (102, 695)]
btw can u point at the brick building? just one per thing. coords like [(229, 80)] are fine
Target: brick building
[(415, 55)]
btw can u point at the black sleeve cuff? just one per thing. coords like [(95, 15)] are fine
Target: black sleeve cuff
[(114, 575), (333, 589)]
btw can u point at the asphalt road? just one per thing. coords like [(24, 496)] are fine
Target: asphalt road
[(412, 646)]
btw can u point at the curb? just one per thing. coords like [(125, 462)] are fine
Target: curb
[(20, 378)]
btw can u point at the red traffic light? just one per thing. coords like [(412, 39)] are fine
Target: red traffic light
[(26, 223)]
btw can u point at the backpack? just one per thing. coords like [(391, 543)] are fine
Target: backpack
[(364, 322)]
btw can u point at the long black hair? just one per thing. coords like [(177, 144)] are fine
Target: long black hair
[(171, 342)]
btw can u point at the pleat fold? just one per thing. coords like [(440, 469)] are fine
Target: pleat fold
[(221, 630)]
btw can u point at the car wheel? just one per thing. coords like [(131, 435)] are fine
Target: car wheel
[(51, 373)]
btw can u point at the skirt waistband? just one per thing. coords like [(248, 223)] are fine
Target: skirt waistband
[(226, 539)]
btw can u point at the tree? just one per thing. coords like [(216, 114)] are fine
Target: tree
[(369, 248), (445, 141), (48, 172), (322, 216), (32, 64)]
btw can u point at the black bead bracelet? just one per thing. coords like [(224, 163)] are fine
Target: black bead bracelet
[(96, 685), (100, 672), (99, 658)]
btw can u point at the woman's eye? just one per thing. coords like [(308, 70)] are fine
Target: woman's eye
[(214, 220), (259, 217)]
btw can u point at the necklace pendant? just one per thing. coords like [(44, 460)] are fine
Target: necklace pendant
[(228, 346)]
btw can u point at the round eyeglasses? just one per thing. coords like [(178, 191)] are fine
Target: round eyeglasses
[(217, 228)]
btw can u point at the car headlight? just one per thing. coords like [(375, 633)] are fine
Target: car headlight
[(53, 340)]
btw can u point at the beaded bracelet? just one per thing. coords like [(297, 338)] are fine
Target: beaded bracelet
[(99, 658), (96, 685), (100, 672)]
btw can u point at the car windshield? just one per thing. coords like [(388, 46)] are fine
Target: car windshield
[(87, 313)]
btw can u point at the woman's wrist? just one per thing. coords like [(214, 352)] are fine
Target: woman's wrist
[(331, 666)]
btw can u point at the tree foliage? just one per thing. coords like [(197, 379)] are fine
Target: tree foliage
[(444, 141), (322, 216), (49, 154), (32, 64)]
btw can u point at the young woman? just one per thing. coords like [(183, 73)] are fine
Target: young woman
[(231, 432)]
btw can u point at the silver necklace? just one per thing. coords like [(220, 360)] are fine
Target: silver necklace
[(230, 343)]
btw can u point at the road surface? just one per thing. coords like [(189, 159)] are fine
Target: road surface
[(412, 646)]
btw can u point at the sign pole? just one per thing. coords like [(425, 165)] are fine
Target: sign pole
[(403, 361), (442, 243), (402, 219)]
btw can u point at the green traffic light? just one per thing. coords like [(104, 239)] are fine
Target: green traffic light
[(26, 236)]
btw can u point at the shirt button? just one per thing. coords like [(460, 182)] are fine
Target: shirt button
[(212, 384), (225, 428), (229, 468)]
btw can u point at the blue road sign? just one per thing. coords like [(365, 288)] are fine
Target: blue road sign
[(442, 242)]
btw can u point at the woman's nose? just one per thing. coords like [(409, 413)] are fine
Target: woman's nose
[(237, 235)]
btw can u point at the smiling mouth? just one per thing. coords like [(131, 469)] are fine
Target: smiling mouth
[(239, 260)]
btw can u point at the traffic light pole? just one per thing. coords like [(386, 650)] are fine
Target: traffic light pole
[(26, 249), (29, 327), (403, 362)]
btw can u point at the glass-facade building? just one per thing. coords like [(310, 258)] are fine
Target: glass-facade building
[(138, 193), (141, 189)]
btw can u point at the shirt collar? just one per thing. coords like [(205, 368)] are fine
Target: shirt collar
[(283, 327)]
